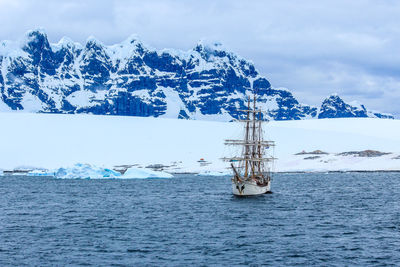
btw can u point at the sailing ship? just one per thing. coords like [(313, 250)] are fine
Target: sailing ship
[(253, 167)]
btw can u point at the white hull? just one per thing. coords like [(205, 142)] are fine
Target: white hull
[(249, 188)]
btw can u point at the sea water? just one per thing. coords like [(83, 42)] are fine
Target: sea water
[(309, 219)]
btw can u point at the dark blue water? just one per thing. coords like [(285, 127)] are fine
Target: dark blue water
[(310, 219)]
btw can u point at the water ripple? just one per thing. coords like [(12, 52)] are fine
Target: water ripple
[(311, 219)]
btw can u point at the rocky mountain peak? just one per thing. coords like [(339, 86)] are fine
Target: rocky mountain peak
[(208, 82), (335, 107)]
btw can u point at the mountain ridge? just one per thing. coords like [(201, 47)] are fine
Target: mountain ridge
[(131, 78)]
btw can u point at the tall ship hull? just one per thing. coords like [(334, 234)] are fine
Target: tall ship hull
[(249, 188), (252, 168)]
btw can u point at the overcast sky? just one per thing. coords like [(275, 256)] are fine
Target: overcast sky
[(314, 48)]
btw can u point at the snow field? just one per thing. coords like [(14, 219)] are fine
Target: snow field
[(52, 141)]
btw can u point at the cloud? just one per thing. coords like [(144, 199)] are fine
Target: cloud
[(312, 47)]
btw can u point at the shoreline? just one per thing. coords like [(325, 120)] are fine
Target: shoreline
[(175, 175)]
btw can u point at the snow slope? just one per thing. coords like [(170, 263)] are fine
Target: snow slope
[(55, 140)]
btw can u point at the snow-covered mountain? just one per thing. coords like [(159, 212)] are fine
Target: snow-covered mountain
[(335, 107), (133, 79)]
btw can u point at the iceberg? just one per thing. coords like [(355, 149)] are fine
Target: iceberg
[(41, 172), (141, 173), (86, 171)]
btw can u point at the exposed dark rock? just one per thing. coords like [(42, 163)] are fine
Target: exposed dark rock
[(315, 152), (313, 157), (364, 153)]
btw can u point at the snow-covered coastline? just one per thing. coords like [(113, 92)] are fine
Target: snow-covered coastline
[(52, 141)]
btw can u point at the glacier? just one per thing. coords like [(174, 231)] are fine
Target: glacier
[(50, 141), (208, 82)]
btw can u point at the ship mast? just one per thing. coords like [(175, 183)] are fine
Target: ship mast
[(254, 139), (247, 152), (260, 133), (252, 157)]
